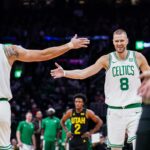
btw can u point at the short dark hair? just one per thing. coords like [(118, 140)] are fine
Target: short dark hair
[(80, 95)]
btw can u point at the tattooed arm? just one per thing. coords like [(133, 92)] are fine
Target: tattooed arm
[(10, 53), (14, 52)]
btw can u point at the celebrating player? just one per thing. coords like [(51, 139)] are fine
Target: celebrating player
[(8, 55), (121, 87)]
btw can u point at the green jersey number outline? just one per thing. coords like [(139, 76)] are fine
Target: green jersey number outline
[(124, 84)]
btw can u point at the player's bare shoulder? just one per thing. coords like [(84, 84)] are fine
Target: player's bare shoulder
[(89, 113), (104, 60), (11, 51), (140, 58), (138, 55), (69, 112), (67, 115)]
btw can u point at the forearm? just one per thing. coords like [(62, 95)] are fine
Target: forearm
[(83, 73), (18, 136), (42, 131), (74, 74), (64, 127), (33, 140), (97, 127), (53, 52)]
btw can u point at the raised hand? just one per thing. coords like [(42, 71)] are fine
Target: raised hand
[(76, 43), (58, 72)]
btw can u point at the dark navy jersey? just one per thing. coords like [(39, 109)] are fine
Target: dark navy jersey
[(79, 122)]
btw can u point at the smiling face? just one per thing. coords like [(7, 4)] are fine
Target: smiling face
[(120, 41)]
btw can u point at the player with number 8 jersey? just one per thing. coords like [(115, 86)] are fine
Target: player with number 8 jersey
[(122, 79), (124, 105), (121, 88)]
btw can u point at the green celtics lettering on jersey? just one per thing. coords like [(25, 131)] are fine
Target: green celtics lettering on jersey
[(122, 80), (79, 122)]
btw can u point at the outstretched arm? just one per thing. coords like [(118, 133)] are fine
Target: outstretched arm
[(102, 62), (18, 53)]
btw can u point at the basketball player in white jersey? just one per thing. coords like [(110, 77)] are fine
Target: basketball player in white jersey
[(8, 55), (121, 86)]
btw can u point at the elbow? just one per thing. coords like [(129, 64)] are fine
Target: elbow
[(101, 123)]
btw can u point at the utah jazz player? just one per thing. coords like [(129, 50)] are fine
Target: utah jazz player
[(79, 135)]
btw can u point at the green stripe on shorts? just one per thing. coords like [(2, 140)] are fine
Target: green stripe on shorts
[(9, 147), (131, 139), (114, 145), (135, 105), (3, 99)]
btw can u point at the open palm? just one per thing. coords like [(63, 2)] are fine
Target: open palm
[(79, 42), (58, 72)]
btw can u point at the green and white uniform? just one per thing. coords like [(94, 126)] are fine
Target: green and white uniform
[(26, 130), (122, 81), (5, 95), (51, 127), (124, 105)]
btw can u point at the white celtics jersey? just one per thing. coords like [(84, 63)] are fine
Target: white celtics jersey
[(122, 80), (5, 69)]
